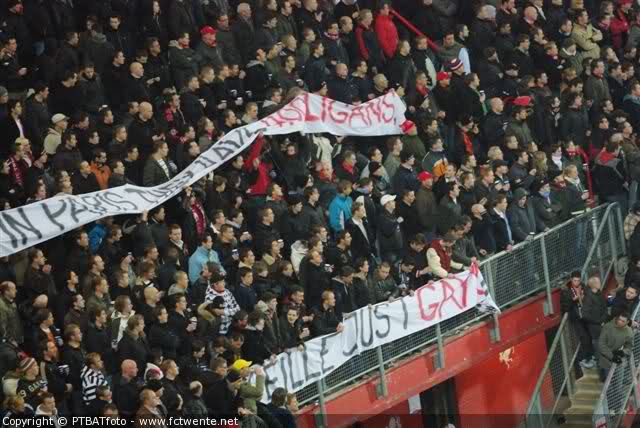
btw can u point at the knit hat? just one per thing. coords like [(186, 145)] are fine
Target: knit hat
[(3, 91), (373, 167), (498, 163), (25, 364), (58, 117), (442, 75), (553, 174), (538, 184), (294, 199), (406, 126), (455, 64), (155, 385)]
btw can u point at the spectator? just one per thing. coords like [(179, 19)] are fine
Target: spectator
[(614, 343), (217, 288), (325, 320)]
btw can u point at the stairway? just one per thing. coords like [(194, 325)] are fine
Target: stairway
[(584, 400)]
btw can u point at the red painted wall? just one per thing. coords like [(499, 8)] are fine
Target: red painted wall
[(496, 392), (397, 416), (417, 374)]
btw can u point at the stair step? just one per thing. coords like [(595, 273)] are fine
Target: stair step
[(579, 419), (580, 409)]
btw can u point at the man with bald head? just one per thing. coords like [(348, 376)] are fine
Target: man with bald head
[(340, 88), (482, 230), (143, 130), (494, 123), (528, 21), (136, 88), (151, 298), (126, 390)]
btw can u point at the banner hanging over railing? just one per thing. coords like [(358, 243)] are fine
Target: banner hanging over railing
[(31, 224), (373, 326)]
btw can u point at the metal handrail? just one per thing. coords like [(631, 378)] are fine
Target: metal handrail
[(635, 372), (606, 218), (368, 364), (556, 340), (596, 238)]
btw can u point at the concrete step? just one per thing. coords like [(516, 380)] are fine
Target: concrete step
[(579, 413), (579, 418), (585, 397)]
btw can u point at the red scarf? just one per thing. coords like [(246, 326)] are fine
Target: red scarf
[(422, 90), (198, 215), (347, 167), (17, 171), (468, 145)]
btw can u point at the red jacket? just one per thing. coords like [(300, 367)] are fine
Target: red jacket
[(387, 35), (445, 257), (259, 187), (619, 29)]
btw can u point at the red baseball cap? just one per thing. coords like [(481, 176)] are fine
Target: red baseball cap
[(523, 101), (424, 176), (207, 30)]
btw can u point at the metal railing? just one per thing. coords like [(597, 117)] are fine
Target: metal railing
[(534, 266), (557, 379), (620, 386)]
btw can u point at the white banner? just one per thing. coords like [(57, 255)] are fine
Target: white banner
[(31, 224), (370, 327)]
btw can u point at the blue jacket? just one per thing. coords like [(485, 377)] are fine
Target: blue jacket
[(339, 212), (198, 259)]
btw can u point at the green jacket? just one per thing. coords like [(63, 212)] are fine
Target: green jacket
[(10, 324), (414, 145), (250, 394), (613, 338)]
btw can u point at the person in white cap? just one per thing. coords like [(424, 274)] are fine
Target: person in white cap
[(53, 139), (389, 233)]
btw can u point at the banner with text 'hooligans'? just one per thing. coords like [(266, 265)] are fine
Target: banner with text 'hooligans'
[(370, 327), (31, 224)]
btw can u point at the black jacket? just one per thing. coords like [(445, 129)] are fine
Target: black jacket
[(125, 395), (500, 233), (154, 174), (137, 350), (324, 322), (342, 90), (389, 232), (254, 348), (162, 337), (362, 245)]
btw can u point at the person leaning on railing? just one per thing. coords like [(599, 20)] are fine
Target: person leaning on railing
[(615, 343)]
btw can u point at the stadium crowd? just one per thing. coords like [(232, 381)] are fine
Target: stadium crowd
[(520, 115)]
